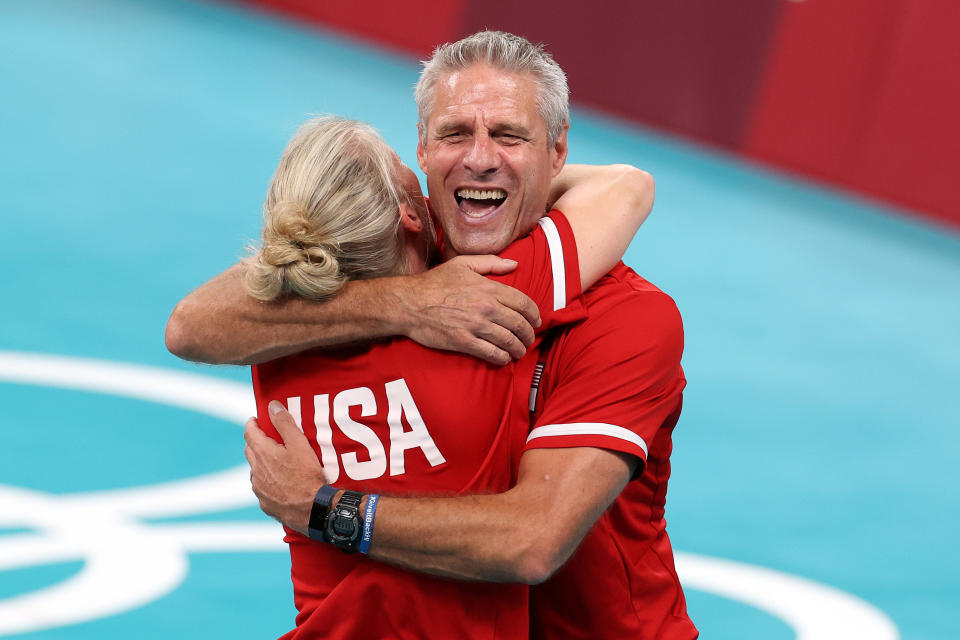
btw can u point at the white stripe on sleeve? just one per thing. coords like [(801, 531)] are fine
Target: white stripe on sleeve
[(588, 429), (556, 263)]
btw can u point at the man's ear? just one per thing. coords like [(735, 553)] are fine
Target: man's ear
[(409, 219), (560, 151), (421, 151)]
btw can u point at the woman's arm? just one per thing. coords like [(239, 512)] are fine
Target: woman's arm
[(450, 307), (605, 206)]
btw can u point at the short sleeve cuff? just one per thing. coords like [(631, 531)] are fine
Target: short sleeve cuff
[(587, 434), (567, 303), (564, 259)]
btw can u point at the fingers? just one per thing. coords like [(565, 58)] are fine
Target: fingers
[(458, 310), (285, 425), (504, 339), (253, 462), (523, 305), (251, 429), (487, 264), (513, 311), (519, 333), (252, 433), (506, 295), (485, 351), (256, 440)]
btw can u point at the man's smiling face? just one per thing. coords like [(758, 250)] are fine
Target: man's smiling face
[(486, 155)]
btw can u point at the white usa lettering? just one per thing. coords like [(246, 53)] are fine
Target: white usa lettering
[(400, 404)]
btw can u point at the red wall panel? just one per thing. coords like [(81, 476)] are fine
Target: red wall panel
[(911, 152), (815, 103), (687, 65), (863, 93), (415, 26)]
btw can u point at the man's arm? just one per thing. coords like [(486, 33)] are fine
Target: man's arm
[(521, 535), (450, 307), (614, 376)]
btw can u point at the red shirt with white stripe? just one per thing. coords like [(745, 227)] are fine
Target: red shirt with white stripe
[(614, 381), (396, 418)]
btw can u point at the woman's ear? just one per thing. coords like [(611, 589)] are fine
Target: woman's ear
[(409, 219)]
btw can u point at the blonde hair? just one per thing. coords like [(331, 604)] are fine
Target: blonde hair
[(330, 215)]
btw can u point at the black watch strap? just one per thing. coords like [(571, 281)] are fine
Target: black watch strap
[(317, 529), (344, 524)]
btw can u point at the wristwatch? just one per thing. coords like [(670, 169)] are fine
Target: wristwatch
[(344, 524), (317, 529)]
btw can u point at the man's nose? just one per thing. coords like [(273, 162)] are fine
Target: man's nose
[(483, 157)]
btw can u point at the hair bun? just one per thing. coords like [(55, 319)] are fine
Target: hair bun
[(289, 238), (294, 258), (330, 213)]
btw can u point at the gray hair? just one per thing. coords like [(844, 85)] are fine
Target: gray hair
[(504, 51), (330, 215)]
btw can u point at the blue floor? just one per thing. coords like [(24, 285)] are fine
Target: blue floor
[(820, 435)]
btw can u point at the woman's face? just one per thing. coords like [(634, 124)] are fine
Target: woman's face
[(411, 185)]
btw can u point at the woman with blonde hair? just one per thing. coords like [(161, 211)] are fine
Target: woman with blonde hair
[(331, 214), (394, 417)]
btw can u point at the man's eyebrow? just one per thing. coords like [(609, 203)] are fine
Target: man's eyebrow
[(512, 128), (448, 126), (453, 126)]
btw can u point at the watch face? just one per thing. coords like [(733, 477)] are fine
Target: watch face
[(343, 524)]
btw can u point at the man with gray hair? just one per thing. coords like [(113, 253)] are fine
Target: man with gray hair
[(605, 399)]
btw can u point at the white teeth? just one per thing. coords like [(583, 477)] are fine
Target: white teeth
[(484, 194)]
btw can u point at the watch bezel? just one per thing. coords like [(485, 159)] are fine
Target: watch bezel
[(345, 512)]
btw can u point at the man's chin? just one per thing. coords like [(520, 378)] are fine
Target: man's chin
[(472, 245)]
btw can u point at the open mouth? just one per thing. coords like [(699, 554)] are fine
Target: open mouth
[(477, 203)]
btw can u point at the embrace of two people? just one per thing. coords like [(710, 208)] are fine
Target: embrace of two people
[(465, 407)]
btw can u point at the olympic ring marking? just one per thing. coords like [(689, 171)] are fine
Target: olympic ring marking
[(815, 611), (103, 531), (101, 528)]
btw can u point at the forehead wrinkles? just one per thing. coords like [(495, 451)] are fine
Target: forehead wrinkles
[(494, 99), (487, 116)]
